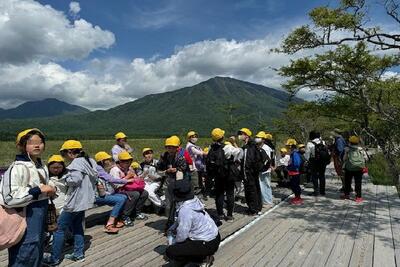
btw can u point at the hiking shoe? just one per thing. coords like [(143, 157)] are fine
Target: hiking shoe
[(47, 261), (141, 216), (359, 200), (344, 196), (229, 218), (127, 221), (74, 258), (296, 201)]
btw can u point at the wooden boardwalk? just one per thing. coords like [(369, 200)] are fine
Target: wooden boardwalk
[(325, 231)]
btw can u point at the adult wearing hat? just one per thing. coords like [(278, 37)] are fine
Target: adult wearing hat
[(196, 235), (120, 146), (250, 170)]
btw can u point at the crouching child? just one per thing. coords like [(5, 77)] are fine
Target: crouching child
[(195, 236)]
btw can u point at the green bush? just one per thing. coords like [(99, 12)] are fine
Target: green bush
[(379, 170)]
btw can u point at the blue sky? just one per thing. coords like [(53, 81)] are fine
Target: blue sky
[(147, 28), (102, 53)]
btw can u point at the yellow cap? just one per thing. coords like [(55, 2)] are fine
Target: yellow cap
[(120, 135), (283, 150), (55, 158), (301, 146), (354, 139), (102, 155), (190, 134), (146, 149), (262, 135), (135, 165), (124, 155), (268, 136), (227, 143), (25, 132), (291, 142), (206, 149), (71, 144), (246, 131), (173, 141), (217, 134)]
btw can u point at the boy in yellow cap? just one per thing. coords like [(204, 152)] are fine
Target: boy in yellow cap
[(121, 145), (197, 155)]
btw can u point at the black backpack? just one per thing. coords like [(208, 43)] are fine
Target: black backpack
[(322, 155), (216, 162), (266, 159)]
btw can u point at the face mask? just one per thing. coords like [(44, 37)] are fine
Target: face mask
[(194, 140), (241, 137), (258, 140)]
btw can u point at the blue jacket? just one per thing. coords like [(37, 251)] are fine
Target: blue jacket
[(295, 161)]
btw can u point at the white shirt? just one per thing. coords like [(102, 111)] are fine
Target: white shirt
[(269, 151), (284, 161)]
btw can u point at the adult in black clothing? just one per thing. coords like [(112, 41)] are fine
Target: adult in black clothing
[(250, 170)]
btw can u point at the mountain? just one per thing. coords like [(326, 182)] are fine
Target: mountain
[(49, 107), (199, 107)]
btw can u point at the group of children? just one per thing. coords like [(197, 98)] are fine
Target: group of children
[(74, 182)]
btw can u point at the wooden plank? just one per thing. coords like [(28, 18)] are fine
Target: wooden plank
[(325, 242), (270, 239), (394, 208), (363, 248), (328, 211), (341, 251), (383, 241)]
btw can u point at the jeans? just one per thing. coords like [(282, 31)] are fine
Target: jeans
[(72, 220), (265, 185), (117, 201), (29, 251)]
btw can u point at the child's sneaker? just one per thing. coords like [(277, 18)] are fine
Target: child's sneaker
[(48, 262), (295, 201), (127, 221), (359, 199), (141, 216), (72, 257)]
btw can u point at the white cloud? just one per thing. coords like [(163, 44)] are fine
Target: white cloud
[(30, 31), (74, 8)]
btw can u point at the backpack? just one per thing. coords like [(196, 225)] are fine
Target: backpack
[(355, 160), (322, 155), (216, 162)]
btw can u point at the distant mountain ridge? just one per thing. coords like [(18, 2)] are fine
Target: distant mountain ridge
[(200, 107), (49, 107)]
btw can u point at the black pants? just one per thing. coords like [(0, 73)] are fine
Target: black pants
[(252, 192), (295, 184), (348, 176), (134, 203), (207, 185), (318, 178), (192, 251), (224, 185)]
